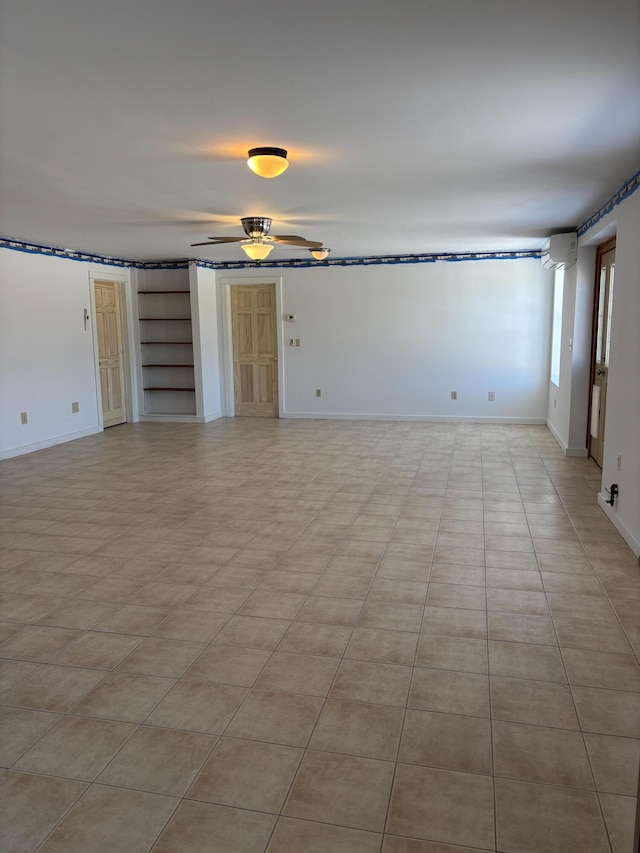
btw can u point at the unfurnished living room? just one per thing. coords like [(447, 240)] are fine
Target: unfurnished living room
[(319, 407)]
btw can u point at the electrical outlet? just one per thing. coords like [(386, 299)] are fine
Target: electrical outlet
[(290, 318), (454, 395), (75, 408), (619, 462), (492, 396), (297, 342), (318, 392), (23, 417)]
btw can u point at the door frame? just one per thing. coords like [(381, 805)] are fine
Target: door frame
[(601, 249), (122, 282), (225, 284)]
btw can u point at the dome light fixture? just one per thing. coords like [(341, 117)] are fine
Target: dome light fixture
[(268, 162), (320, 254), (257, 250)]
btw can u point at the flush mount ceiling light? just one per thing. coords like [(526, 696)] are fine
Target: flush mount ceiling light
[(268, 162), (320, 254), (256, 250)]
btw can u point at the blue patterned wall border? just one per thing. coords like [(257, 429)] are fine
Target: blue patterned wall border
[(627, 189), (89, 257), (375, 260)]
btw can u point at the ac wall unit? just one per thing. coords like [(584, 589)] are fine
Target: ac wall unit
[(560, 251)]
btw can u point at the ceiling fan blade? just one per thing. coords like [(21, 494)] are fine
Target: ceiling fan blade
[(290, 237), (215, 241), (304, 244)]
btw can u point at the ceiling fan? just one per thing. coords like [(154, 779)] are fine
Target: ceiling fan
[(259, 243)]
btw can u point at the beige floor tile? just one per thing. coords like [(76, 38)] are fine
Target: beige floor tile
[(254, 632), (391, 615), (353, 728), (416, 571), (540, 703), (566, 605), (517, 601), (572, 821), (247, 774), (28, 825), (581, 584), (615, 762), (524, 660), (447, 741), (455, 622), (98, 650), (238, 577), (110, 589), (393, 647), (609, 712), (197, 706), (514, 560), (216, 599), (297, 673), (206, 828), (158, 760), (454, 653), (521, 628), (286, 581), (19, 729), (199, 626), (303, 562), (457, 596), (78, 614), (337, 586), (315, 638), (442, 805), (155, 656), (395, 844), (38, 643), (228, 665), (366, 681), (602, 669), (341, 789), (291, 834), (133, 619), (53, 688), (111, 819), (332, 611), (523, 580), (277, 605), (285, 718), (123, 696), (620, 818), (448, 573), (418, 553), (76, 748), (536, 754), (26, 608), (450, 692)]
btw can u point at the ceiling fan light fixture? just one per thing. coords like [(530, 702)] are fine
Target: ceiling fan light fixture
[(257, 251), (268, 162), (320, 254)]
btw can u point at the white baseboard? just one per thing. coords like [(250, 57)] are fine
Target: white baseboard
[(48, 442), (181, 419), (631, 540), (347, 416), (213, 416), (568, 451)]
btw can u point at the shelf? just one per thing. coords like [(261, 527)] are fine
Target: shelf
[(168, 365), (166, 388), (143, 292), (165, 319), (164, 343)]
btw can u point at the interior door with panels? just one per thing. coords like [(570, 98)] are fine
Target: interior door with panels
[(605, 275), (255, 350), (110, 352)]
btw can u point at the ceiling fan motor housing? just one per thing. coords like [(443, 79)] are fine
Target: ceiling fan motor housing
[(256, 226)]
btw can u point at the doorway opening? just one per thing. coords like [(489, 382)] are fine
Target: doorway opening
[(255, 350)]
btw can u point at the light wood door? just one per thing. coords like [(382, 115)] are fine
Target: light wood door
[(605, 274), (110, 356), (255, 350)]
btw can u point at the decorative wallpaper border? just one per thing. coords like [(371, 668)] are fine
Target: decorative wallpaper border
[(627, 189)]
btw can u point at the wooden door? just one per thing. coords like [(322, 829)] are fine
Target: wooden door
[(255, 350), (605, 273), (110, 356)]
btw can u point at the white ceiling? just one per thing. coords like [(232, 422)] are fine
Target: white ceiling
[(413, 126)]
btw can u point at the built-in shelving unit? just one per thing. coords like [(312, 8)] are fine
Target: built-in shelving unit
[(166, 343)]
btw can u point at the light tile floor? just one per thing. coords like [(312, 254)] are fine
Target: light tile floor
[(330, 637)]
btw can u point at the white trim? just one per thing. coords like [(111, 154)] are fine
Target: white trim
[(620, 526), (49, 442), (227, 340), (568, 451), (169, 419), (472, 419)]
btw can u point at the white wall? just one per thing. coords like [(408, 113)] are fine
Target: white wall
[(46, 356), (393, 341), (206, 345), (622, 427)]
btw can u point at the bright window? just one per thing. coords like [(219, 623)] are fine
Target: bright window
[(556, 330)]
